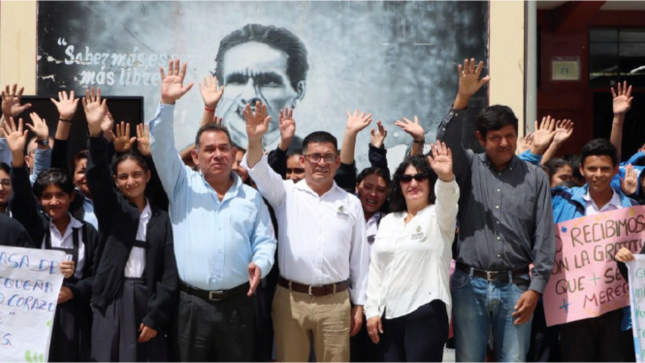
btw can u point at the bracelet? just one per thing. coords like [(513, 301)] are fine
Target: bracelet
[(208, 109), (65, 120), (423, 141)]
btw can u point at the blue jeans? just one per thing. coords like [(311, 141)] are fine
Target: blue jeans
[(481, 307)]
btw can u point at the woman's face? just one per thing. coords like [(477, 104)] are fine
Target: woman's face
[(415, 186), (372, 192), (55, 201), (561, 174), (79, 178), (6, 190), (131, 179)]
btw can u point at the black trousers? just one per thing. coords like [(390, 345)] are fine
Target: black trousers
[(71, 331), (593, 340), (215, 331), (116, 329), (417, 337), (545, 346), (362, 349)]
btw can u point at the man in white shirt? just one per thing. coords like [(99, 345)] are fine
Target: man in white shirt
[(323, 249)]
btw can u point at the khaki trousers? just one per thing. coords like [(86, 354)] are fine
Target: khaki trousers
[(299, 319)]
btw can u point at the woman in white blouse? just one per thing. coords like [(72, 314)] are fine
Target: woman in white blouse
[(408, 292)]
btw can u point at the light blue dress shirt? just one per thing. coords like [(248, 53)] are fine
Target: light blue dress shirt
[(214, 240)]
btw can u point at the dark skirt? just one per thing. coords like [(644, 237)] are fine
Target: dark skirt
[(71, 331), (116, 328)]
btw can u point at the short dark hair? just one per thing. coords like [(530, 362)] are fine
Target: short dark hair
[(296, 152), (212, 127), (318, 137), (131, 155), (419, 162), (81, 155), (599, 147), (5, 167), (383, 173), (56, 177), (494, 118), (278, 38), (553, 165), (574, 161)]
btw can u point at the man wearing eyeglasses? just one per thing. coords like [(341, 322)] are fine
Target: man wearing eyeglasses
[(323, 254)]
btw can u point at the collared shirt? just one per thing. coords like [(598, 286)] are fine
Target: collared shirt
[(66, 240), (410, 263), (372, 227), (613, 204), (88, 211), (137, 261), (322, 238), (505, 216), (214, 241)]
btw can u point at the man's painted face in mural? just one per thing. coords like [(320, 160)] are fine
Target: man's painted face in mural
[(255, 72)]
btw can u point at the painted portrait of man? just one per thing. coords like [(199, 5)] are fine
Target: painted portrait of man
[(260, 63)]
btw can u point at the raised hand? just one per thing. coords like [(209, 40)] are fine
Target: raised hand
[(11, 102), (622, 99), (357, 122), (257, 122), (39, 128), (16, 137), (525, 142), (211, 93), (543, 135), (122, 140), (66, 105), (143, 139), (563, 130), (629, 184), (412, 128), (287, 125), (106, 125), (441, 161), (377, 135), (172, 85), (469, 82), (95, 110)]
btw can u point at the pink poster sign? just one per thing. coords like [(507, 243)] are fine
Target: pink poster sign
[(585, 281)]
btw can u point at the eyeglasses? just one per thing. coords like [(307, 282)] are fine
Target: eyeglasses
[(405, 178), (314, 158), (5, 182), (295, 170)]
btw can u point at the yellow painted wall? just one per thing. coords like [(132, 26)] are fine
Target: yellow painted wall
[(506, 66)]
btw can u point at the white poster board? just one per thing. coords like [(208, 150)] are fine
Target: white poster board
[(30, 280), (637, 300)]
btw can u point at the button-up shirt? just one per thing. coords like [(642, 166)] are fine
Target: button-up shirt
[(410, 263), (214, 240), (136, 264), (322, 238), (505, 216), (613, 204), (66, 240)]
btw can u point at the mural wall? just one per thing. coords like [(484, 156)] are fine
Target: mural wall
[(393, 59)]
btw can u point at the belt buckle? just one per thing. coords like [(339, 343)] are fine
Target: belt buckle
[(489, 275), (210, 295), (309, 291)]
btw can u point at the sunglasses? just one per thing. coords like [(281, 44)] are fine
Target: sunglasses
[(405, 178)]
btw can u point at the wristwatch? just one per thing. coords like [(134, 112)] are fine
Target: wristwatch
[(43, 142)]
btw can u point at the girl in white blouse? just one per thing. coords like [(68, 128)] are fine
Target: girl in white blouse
[(408, 292)]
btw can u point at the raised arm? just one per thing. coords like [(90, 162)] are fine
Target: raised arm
[(377, 153), (211, 94), (42, 155), (11, 106), (66, 106), (154, 188), (416, 131), (356, 122), (172, 171), (278, 158), (446, 189), (563, 130), (450, 129), (621, 104)]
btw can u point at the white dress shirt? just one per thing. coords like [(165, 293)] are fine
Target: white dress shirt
[(322, 238), (137, 261), (372, 227), (410, 263), (66, 240), (613, 204)]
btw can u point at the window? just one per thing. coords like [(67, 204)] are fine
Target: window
[(616, 54)]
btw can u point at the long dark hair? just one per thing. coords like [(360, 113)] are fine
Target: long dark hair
[(419, 162), (383, 173)]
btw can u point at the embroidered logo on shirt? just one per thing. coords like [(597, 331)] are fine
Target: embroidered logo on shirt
[(419, 236), (341, 213)]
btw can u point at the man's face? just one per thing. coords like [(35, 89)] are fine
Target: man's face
[(31, 151), (322, 171), (295, 169), (255, 72), (598, 172), (499, 144), (5, 189), (215, 155)]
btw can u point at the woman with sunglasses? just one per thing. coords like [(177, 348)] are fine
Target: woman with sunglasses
[(136, 284), (56, 229), (408, 293)]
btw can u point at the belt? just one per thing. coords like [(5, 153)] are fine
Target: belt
[(218, 295), (501, 276), (312, 290)]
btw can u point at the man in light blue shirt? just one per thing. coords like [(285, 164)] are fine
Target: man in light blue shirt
[(223, 236)]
